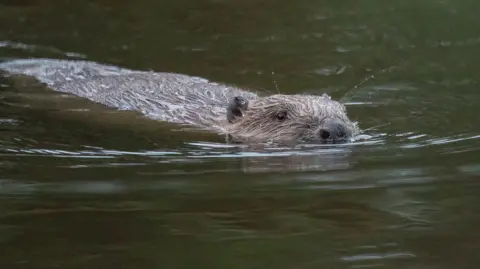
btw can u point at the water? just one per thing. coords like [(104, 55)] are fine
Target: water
[(82, 186)]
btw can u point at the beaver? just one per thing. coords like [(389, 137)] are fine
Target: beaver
[(240, 114)]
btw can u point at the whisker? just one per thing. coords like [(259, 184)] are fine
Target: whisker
[(378, 73), (373, 127), (275, 82)]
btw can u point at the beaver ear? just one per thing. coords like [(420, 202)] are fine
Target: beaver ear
[(236, 108)]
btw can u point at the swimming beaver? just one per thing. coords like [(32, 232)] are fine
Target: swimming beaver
[(242, 115)]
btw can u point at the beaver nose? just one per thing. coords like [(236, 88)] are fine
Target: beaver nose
[(332, 129)]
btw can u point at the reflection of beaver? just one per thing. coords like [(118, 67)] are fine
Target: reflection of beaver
[(243, 115)]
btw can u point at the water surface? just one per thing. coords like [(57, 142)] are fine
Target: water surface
[(86, 186)]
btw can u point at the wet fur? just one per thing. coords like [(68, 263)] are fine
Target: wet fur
[(187, 100), (306, 114)]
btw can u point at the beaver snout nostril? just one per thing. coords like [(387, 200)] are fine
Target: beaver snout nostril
[(332, 130), (324, 134)]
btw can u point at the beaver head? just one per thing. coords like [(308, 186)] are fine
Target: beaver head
[(302, 118)]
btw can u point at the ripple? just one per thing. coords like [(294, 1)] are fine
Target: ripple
[(440, 141), (36, 48), (100, 153), (470, 41), (378, 256), (379, 178), (256, 159), (331, 70), (16, 187), (473, 169), (9, 121), (200, 150)]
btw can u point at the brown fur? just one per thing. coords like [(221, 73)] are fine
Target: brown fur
[(306, 115), (196, 101)]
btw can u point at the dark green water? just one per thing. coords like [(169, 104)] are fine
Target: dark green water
[(99, 189)]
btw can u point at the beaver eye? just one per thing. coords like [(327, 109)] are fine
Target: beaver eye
[(281, 115)]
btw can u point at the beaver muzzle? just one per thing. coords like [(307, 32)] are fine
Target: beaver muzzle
[(332, 130)]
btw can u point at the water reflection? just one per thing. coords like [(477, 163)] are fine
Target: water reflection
[(39, 49)]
